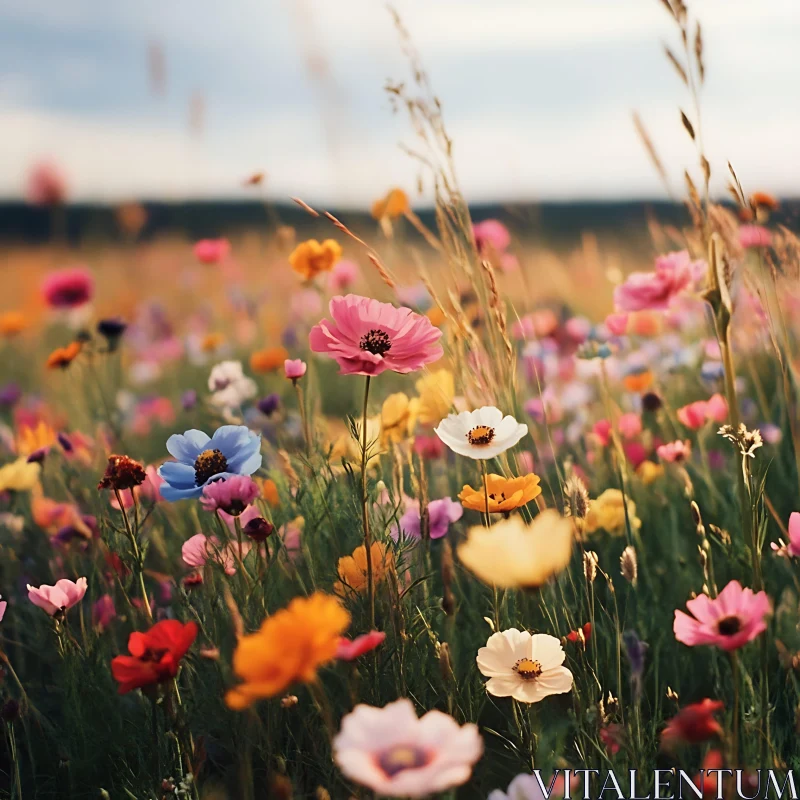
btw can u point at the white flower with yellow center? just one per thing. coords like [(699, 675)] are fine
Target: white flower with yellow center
[(525, 666), (481, 434)]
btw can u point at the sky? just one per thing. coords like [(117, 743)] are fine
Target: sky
[(537, 96)]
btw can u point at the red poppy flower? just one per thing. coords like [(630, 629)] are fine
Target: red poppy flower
[(694, 723), (155, 656)]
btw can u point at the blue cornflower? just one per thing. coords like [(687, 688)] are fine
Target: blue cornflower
[(232, 450)]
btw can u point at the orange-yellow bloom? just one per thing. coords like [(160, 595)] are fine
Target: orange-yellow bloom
[(30, 439), (269, 359), (311, 257), (289, 647), (393, 204), (638, 382), (62, 357), (353, 569), (12, 323), (269, 491), (505, 494), (211, 342)]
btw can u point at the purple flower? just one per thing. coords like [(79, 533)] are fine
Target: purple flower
[(269, 405), (10, 393), (440, 514), (189, 399), (232, 495)]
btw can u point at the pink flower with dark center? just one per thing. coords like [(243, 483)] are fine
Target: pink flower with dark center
[(68, 288), (349, 650), (675, 452), (212, 251), (752, 236), (734, 618), (656, 290), (367, 337), (294, 368), (232, 495), (198, 550), (47, 185), (57, 599), (491, 235)]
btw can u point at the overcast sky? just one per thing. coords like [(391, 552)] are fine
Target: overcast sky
[(537, 95)]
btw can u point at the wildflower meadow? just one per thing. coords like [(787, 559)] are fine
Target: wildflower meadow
[(405, 504)]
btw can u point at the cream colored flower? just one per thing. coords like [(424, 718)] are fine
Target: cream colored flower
[(511, 554), (481, 434), (525, 666), (19, 476)]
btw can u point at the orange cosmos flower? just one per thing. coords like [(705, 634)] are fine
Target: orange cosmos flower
[(764, 200), (353, 569), (393, 204), (290, 647), (269, 359), (505, 494), (212, 342), (62, 357), (638, 382), (12, 323), (311, 257), (269, 491), (30, 439)]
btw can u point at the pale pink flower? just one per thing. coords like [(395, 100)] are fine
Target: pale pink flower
[(694, 415), (68, 288), (212, 251), (343, 275), (717, 408), (231, 495), (751, 236), (149, 491), (394, 753), (3, 606), (617, 324), (522, 328), (656, 290), (367, 337), (294, 368), (675, 452), (47, 185), (58, 598), (630, 425), (251, 512), (734, 618), (198, 550), (491, 235), (793, 548), (351, 649)]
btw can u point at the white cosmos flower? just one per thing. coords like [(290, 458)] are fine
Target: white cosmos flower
[(481, 434), (525, 666), (229, 385)]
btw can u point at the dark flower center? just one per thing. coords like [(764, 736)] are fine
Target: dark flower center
[(376, 342), (403, 756), (728, 626), (481, 435), (527, 669), (208, 464)]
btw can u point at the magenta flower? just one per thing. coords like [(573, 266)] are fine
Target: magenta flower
[(294, 368), (212, 251), (656, 290), (675, 452), (617, 324), (751, 236), (731, 620), (231, 495), (198, 550), (68, 288), (490, 235), (103, 611), (57, 599), (367, 337), (440, 514), (3, 606), (349, 650), (793, 548), (630, 425), (693, 416)]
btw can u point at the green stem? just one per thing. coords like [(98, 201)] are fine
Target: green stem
[(136, 552), (365, 509)]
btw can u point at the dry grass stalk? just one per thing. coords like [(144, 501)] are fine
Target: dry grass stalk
[(423, 230), (305, 206), (651, 152)]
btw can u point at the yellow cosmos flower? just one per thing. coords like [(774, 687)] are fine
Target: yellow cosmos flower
[(311, 257), (19, 476), (353, 569), (393, 204), (608, 512), (290, 647), (513, 555), (436, 393), (649, 472), (29, 439), (398, 417), (505, 494)]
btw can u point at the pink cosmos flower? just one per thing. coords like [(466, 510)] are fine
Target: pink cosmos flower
[(629, 425), (58, 598), (675, 452), (3, 606), (47, 185), (149, 491), (367, 337), (617, 324), (294, 368), (212, 251), (231, 495), (793, 548), (428, 447), (751, 236), (392, 752), (198, 550), (68, 288), (656, 290), (103, 611), (343, 276), (693, 416), (349, 650), (440, 514), (602, 431), (717, 408), (731, 620), (490, 235)]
